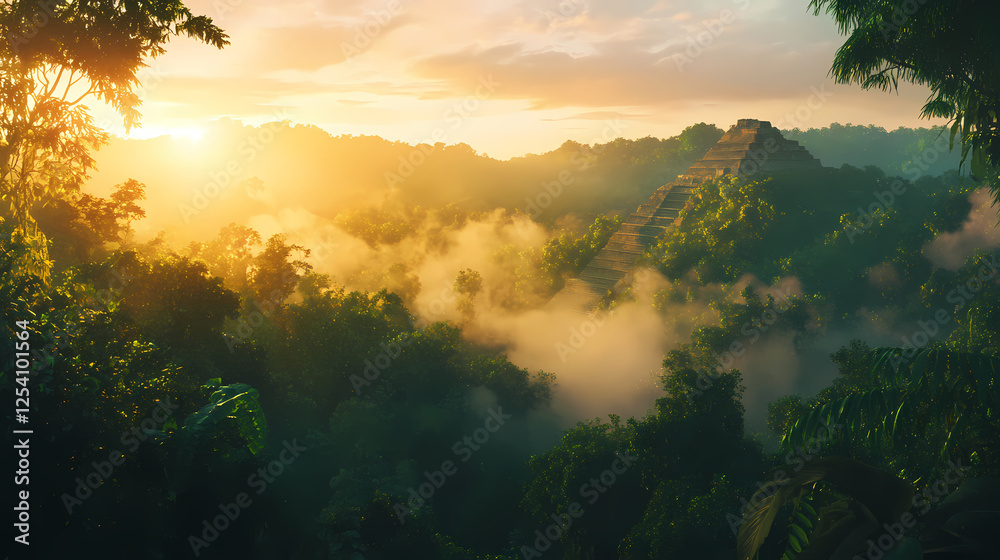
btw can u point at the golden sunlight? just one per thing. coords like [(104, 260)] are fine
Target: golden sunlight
[(192, 134)]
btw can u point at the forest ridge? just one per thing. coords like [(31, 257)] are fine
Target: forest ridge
[(279, 343)]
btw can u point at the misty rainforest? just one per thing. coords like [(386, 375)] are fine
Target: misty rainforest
[(500, 280)]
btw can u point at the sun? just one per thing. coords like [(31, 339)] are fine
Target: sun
[(191, 134)]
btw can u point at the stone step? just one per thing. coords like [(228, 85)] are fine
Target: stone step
[(674, 207), (750, 146), (624, 244), (613, 264), (578, 295), (664, 222), (644, 230), (600, 281), (614, 259), (602, 278)]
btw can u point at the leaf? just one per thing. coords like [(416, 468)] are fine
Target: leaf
[(881, 495), (799, 534), (958, 428), (756, 526), (840, 529), (238, 403), (794, 543), (897, 416), (919, 367), (808, 509)]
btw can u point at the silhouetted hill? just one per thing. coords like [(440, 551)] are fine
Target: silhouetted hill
[(906, 152)]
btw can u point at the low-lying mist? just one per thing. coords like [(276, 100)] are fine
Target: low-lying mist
[(462, 238)]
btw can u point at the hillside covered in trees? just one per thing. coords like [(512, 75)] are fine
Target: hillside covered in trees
[(345, 347), (175, 382)]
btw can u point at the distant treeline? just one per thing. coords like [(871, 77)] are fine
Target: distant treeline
[(904, 151), (305, 166)]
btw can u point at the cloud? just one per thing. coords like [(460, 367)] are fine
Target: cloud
[(950, 250), (310, 47), (597, 116), (627, 73), (602, 56)]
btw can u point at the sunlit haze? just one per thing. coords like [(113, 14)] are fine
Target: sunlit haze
[(510, 77), (501, 279)]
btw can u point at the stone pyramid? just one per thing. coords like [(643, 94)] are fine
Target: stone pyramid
[(750, 147)]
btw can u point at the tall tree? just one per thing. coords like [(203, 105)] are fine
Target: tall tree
[(55, 55), (949, 45)]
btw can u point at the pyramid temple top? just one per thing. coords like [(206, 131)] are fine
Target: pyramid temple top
[(750, 147), (747, 148)]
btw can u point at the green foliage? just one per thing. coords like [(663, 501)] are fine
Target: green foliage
[(230, 255), (922, 407), (810, 225), (783, 412), (275, 273), (324, 340), (721, 233), (236, 405), (876, 498), (468, 285), (46, 133), (948, 46), (566, 255), (174, 299), (376, 227), (385, 406), (82, 226), (906, 152)]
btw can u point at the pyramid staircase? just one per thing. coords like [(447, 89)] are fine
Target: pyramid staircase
[(750, 147)]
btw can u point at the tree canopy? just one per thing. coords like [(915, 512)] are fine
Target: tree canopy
[(56, 55), (951, 46)]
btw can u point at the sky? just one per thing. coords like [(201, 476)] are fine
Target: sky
[(510, 77)]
